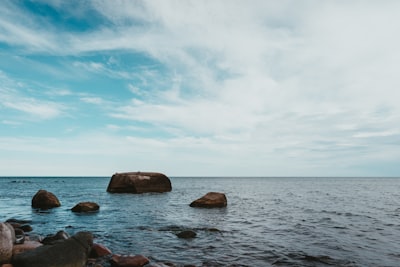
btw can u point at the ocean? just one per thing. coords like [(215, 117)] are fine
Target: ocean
[(269, 221)]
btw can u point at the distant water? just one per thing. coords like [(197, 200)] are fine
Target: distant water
[(268, 221)]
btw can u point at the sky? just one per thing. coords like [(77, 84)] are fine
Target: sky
[(200, 88)]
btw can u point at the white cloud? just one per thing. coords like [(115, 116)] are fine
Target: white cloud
[(309, 82), (134, 89), (92, 100), (12, 98)]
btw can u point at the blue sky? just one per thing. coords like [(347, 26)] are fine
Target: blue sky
[(267, 88)]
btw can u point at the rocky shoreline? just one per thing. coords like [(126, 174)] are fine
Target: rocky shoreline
[(20, 248)]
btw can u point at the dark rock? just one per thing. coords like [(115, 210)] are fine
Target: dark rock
[(186, 234), (72, 252), (12, 220), (139, 182), (86, 207), (45, 200), (52, 239), (26, 228), (210, 200), (19, 236), (129, 261), (7, 239)]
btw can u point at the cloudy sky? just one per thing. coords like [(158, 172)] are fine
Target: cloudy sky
[(231, 88)]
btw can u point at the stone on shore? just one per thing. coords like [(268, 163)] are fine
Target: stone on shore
[(72, 252), (210, 200), (99, 250), (129, 261), (139, 182), (86, 207), (45, 200), (26, 246), (7, 239), (52, 239)]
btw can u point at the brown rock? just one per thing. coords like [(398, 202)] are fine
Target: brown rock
[(139, 182), (7, 265), (27, 245), (86, 207), (129, 261), (45, 200), (210, 200), (99, 250), (7, 238)]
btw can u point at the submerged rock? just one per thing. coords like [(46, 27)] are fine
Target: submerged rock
[(45, 200), (210, 200), (86, 207), (139, 182), (186, 234), (72, 252)]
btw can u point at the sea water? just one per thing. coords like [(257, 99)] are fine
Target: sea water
[(268, 221)]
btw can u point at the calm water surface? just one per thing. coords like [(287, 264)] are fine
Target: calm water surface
[(268, 221)]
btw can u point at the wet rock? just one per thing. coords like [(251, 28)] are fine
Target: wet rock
[(72, 252), (51, 239), (86, 207), (7, 239), (19, 236), (26, 228), (45, 200), (210, 200), (139, 182), (129, 261), (26, 246), (12, 220), (186, 234), (99, 250)]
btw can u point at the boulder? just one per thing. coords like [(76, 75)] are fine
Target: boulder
[(45, 200), (7, 239), (139, 182), (72, 252), (27, 245), (86, 207), (210, 200), (129, 261), (99, 250)]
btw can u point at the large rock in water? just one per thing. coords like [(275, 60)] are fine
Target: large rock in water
[(86, 207), (72, 252), (7, 238), (139, 182), (210, 200), (45, 200)]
